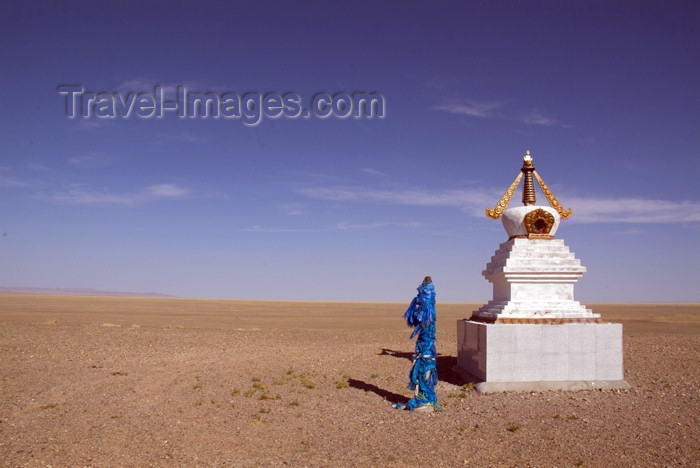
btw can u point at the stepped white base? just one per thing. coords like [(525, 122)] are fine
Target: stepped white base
[(537, 357), (533, 278), (534, 309)]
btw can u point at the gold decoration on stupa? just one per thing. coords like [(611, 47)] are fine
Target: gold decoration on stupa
[(553, 202), (528, 170), (503, 202)]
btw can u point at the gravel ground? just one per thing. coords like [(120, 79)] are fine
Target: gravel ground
[(101, 393)]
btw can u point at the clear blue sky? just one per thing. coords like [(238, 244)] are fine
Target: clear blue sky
[(604, 94)]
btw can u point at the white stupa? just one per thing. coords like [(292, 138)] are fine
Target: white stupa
[(533, 335), (533, 274)]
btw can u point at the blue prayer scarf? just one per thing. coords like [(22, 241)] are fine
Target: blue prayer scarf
[(421, 315)]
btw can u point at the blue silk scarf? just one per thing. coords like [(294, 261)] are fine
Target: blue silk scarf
[(423, 376)]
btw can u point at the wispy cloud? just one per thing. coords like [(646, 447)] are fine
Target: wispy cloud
[(317, 177), (9, 181), (183, 137), (280, 230), (484, 109), (344, 225), (497, 109), (465, 199), (340, 226), (146, 84), (38, 167), (292, 209), (88, 124), (81, 196), (537, 117), (373, 172), (91, 161), (541, 118), (585, 210), (137, 85), (627, 232), (633, 210), (166, 191), (187, 137)]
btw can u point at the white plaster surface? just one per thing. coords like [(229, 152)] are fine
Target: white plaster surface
[(533, 278), (513, 219), (540, 353)]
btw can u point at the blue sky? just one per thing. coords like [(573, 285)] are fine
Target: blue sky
[(604, 94)]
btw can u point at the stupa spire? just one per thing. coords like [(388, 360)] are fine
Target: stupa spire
[(528, 170), (528, 185)]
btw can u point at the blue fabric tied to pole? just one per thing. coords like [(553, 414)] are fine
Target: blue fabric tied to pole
[(423, 376)]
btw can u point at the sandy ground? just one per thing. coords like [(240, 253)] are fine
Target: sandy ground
[(113, 381)]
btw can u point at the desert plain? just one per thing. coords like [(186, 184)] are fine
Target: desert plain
[(129, 381)]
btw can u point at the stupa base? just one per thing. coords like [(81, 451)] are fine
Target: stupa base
[(536, 321), (567, 385), (530, 356)]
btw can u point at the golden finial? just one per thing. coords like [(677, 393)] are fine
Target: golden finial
[(528, 184), (528, 191)]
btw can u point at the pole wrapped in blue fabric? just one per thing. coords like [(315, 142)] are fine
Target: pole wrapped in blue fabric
[(423, 376)]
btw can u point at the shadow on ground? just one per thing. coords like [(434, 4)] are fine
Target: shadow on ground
[(387, 395), (445, 366)]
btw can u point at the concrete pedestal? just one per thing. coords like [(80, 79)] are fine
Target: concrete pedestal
[(534, 357)]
